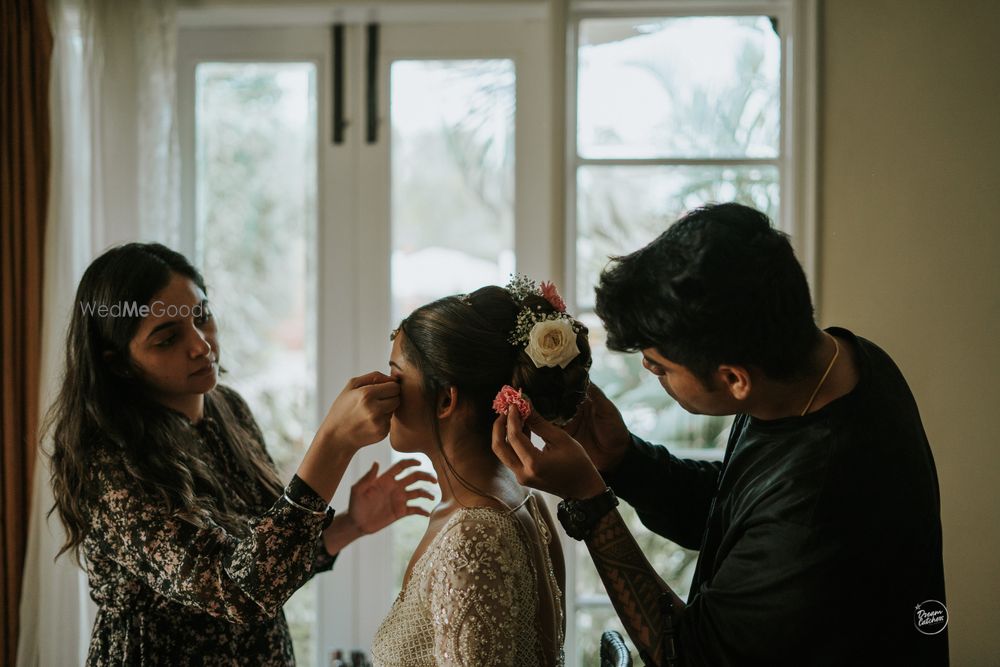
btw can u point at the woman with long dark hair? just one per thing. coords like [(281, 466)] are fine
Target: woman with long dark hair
[(486, 584), (192, 544)]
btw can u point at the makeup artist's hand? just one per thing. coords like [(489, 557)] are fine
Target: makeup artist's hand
[(360, 415), (379, 500)]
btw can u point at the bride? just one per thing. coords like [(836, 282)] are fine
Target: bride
[(485, 584)]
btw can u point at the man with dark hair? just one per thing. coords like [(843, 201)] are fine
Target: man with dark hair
[(819, 533)]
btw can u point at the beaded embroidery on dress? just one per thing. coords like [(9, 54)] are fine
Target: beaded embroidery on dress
[(473, 598)]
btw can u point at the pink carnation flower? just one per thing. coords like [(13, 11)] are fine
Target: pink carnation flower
[(552, 296), (509, 397)]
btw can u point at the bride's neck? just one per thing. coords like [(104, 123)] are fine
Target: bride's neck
[(466, 458)]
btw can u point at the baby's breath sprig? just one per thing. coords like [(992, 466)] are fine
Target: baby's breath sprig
[(521, 287)]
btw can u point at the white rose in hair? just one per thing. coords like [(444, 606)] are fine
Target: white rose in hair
[(552, 343)]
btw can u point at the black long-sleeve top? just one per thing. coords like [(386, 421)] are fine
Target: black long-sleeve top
[(171, 593), (818, 536)]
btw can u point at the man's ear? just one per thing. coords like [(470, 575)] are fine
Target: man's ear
[(736, 380), (447, 402)]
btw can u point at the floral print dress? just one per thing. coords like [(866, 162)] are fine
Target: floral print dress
[(170, 593)]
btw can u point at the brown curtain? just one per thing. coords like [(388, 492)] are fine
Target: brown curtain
[(25, 54)]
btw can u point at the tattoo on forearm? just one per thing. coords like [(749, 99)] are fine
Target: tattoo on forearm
[(634, 587)]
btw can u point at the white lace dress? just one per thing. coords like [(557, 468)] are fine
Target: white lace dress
[(484, 593)]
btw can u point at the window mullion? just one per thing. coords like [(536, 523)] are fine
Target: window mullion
[(679, 162)]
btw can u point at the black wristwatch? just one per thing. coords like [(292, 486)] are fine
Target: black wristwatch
[(578, 517)]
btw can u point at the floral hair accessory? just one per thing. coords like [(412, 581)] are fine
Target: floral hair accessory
[(509, 397), (552, 296), (552, 343), (549, 338)]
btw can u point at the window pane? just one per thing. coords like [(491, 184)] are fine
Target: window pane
[(591, 622), (621, 209), (452, 178), (256, 216), (452, 156), (679, 87)]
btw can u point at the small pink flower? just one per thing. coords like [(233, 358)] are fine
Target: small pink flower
[(507, 397), (552, 296)]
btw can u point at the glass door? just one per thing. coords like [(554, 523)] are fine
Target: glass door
[(248, 111), (440, 182), (459, 182)]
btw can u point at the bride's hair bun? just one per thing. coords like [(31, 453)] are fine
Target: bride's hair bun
[(465, 342)]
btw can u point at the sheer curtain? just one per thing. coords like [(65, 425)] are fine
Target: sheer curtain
[(115, 178)]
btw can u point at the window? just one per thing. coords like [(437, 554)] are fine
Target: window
[(314, 250), (669, 110), (317, 249)]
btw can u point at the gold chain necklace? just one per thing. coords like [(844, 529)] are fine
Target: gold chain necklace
[(836, 353)]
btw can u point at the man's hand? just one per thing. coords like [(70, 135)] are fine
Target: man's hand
[(561, 467), (600, 429)]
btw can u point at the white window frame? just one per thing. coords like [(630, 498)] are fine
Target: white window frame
[(796, 162)]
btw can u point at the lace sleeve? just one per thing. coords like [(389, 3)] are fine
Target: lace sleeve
[(237, 578), (477, 604)]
